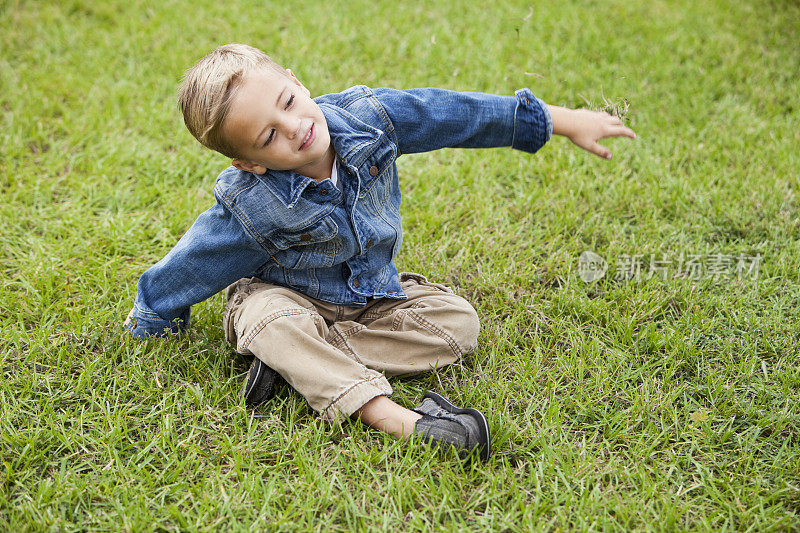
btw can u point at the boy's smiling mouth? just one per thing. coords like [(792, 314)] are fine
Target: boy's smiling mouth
[(309, 138)]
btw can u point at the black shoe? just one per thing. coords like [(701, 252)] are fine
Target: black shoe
[(259, 386), (467, 430)]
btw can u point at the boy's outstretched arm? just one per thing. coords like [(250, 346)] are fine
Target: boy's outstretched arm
[(428, 119), (584, 128), (213, 253)]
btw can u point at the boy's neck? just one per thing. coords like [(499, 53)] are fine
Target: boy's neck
[(320, 169)]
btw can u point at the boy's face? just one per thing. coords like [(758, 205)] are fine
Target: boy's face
[(274, 124)]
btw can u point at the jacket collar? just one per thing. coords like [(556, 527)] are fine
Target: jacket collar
[(352, 140)]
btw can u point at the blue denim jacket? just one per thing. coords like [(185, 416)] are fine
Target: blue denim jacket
[(336, 246)]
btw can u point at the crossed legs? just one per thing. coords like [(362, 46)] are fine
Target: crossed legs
[(336, 356)]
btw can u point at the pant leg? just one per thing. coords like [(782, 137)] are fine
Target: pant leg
[(432, 328), (285, 330)]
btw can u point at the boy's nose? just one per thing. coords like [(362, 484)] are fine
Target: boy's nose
[(293, 128)]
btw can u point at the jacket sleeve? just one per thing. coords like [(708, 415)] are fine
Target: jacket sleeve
[(429, 118), (215, 252)]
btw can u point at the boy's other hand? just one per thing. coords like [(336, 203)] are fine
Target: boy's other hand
[(128, 318), (585, 128)]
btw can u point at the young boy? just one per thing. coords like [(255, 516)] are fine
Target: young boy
[(307, 219)]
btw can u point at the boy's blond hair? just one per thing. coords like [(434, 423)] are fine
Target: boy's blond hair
[(207, 90)]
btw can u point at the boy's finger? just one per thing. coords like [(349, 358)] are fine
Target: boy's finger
[(621, 131), (600, 150)]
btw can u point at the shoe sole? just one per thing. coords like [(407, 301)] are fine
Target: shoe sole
[(253, 391), (251, 381), (483, 426)]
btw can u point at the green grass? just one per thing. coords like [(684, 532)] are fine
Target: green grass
[(644, 404)]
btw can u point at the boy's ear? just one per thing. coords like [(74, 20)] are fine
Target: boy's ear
[(289, 71), (247, 166)]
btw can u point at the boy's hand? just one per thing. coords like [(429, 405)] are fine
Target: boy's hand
[(128, 319), (585, 128)]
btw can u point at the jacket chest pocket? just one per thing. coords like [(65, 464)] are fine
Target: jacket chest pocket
[(377, 175), (315, 246)]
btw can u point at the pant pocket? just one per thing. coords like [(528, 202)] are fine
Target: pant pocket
[(228, 319), (235, 293), (422, 280)]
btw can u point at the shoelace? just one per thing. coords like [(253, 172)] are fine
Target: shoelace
[(436, 411)]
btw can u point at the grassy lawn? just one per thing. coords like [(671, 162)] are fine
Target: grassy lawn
[(634, 402)]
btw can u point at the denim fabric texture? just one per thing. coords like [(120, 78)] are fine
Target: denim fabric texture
[(336, 246)]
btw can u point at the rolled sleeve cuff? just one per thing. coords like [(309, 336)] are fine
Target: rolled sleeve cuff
[(533, 125), (144, 323)]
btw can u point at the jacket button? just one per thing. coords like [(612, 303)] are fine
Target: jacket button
[(355, 282), (305, 237), (323, 191), (369, 243), (373, 171)]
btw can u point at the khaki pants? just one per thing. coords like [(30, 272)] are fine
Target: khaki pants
[(336, 356)]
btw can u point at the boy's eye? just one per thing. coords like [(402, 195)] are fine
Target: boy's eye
[(272, 132)]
